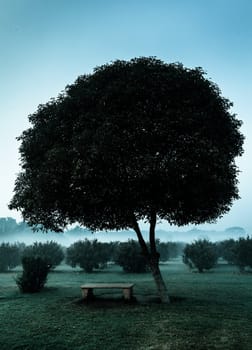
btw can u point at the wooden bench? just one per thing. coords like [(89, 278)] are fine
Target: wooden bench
[(127, 288)]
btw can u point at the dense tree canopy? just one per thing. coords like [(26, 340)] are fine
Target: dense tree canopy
[(138, 139), (130, 138)]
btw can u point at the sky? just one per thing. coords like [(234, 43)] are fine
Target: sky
[(47, 44)]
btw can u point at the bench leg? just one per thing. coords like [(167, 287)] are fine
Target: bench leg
[(127, 292), (87, 293)]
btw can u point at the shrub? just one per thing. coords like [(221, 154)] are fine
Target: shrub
[(51, 252), (129, 256), (237, 252), (201, 254), (243, 253), (163, 250), (227, 249), (169, 250), (9, 256), (88, 255), (34, 276)]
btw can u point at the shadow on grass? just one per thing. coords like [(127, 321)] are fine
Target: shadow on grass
[(113, 302), (173, 299)]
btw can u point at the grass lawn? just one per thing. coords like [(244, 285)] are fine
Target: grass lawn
[(208, 311)]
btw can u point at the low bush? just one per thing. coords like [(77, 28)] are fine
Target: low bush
[(129, 256), (34, 276), (50, 251), (237, 252), (201, 254), (243, 253), (89, 255)]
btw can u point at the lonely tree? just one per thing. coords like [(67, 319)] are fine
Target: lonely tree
[(135, 140)]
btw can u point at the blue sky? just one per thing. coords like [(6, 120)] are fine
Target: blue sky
[(46, 44)]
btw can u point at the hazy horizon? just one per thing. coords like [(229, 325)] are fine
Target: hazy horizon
[(24, 234)]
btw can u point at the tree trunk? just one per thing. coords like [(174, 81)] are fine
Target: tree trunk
[(152, 258), (160, 284)]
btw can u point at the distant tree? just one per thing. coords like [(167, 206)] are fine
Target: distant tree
[(21, 246), (175, 249), (237, 252), (135, 140), (34, 275), (180, 246), (130, 256), (107, 253), (169, 250), (112, 249), (163, 250), (243, 253), (200, 254), (236, 230), (51, 252), (87, 254), (227, 249), (9, 256)]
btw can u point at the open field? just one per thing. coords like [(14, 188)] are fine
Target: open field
[(209, 311)]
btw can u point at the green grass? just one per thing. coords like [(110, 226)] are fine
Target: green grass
[(209, 311)]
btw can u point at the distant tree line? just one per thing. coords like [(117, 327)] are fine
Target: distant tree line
[(237, 252), (203, 254), (92, 254), (11, 255), (86, 254)]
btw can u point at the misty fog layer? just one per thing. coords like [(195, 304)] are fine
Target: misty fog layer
[(11, 231)]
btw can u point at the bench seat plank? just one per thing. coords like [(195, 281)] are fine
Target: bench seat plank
[(87, 288), (107, 285)]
